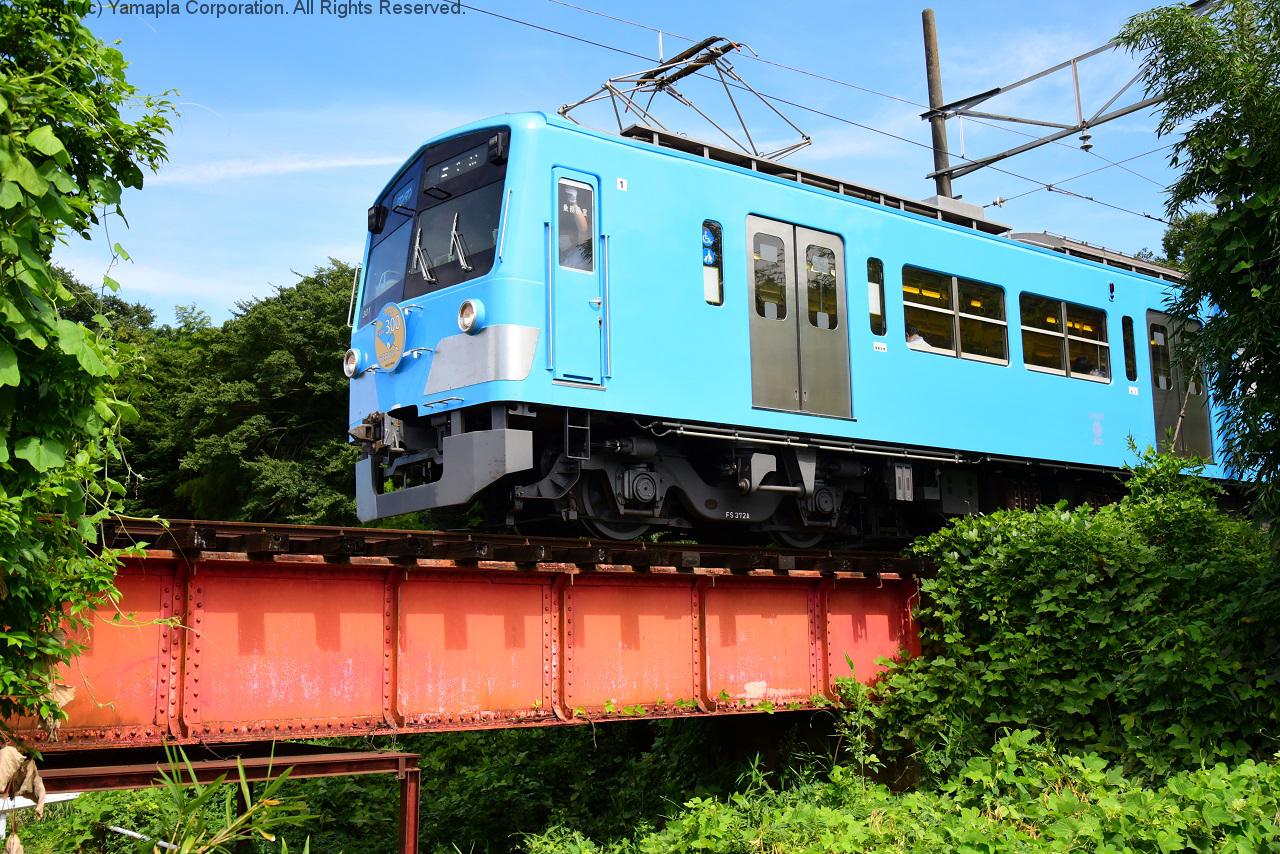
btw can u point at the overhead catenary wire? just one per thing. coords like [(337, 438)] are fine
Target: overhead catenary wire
[(809, 109), (753, 57), (1054, 186)]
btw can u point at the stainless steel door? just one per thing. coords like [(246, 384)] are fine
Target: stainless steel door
[(824, 331), (1180, 401), (773, 308)]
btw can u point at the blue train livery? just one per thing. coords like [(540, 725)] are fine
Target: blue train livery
[(636, 331)]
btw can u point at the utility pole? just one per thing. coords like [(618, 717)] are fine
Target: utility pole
[(938, 121)]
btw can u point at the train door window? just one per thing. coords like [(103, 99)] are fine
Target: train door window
[(875, 295), (930, 322), (576, 207), (1130, 349), (1088, 353), (980, 313), (769, 255), (1161, 372), (820, 275), (1043, 341), (712, 263)]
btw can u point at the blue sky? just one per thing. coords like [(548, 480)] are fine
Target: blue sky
[(291, 124)]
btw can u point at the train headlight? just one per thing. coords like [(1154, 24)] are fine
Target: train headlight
[(351, 363), (471, 316)]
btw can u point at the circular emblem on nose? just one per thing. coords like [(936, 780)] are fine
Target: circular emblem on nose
[(388, 337)]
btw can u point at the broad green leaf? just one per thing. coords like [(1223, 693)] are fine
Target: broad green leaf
[(23, 172), (58, 177), (43, 140), (9, 373), (111, 284), (75, 340), (10, 195), (119, 250), (43, 454)]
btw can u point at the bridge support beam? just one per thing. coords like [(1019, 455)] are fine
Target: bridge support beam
[(237, 647), (139, 768)]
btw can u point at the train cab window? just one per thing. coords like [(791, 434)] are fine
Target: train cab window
[(820, 275), (1130, 349), (384, 277), (384, 274), (1160, 368), (769, 258), (712, 263), (575, 204), (875, 295), (952, 316), (1064, 338)]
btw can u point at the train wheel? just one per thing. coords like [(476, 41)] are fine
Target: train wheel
[(597, 517), (793, 534)]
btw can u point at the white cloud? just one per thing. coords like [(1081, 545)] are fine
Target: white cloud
[(212, 172)]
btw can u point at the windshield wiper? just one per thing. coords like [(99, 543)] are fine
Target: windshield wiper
[(455, 244), (420, 256)]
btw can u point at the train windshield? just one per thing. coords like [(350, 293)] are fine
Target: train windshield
[(439, 222)]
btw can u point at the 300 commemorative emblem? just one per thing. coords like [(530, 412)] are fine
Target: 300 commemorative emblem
[(388, 337)]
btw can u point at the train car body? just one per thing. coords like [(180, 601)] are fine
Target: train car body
[(563, 323)]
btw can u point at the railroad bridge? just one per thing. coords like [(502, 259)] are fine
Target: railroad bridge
[(246, 633)]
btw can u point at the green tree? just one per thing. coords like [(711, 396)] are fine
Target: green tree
[(1219, 74), (248, 420), (66, 153)]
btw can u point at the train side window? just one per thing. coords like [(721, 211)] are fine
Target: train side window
[(1088, 352), (875, 295), (1130, 349), (1160, 369), (980, 313), (576, 206), (769, 254), (1065, 338), (954, 317), (926, 298), (1043, 341), (820, 276), (712, 263)]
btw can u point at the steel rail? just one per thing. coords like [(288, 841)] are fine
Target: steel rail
[(285, 542)]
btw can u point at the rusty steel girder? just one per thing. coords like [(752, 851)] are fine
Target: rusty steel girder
[(210, 646)]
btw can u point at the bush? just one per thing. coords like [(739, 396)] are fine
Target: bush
[(1022, 796), (1141, 631)]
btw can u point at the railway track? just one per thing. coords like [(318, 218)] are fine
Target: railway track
[(336, 544)]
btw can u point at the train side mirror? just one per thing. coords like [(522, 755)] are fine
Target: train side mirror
[(377, 218), (498, 148)]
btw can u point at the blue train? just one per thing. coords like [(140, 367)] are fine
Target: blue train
[(640, 330)]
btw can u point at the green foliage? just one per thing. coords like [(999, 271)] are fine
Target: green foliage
[(1142, 631), (197, 818), (482, 791), (66, 153), (1219, 76), (248, 420), (1021, 796)]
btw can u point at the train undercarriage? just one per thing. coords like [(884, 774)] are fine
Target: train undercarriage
[(554, 470)]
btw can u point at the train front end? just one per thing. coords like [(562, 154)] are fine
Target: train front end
[(440, 325)]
